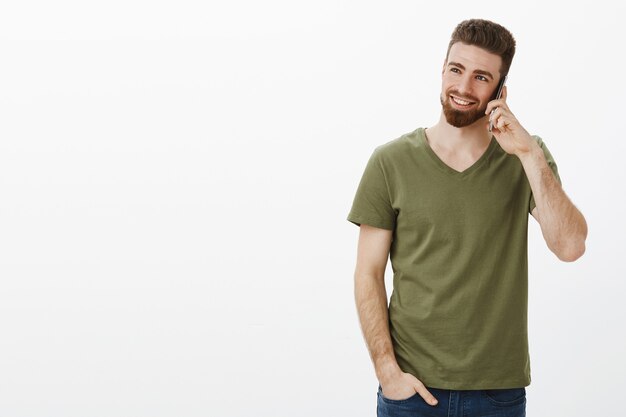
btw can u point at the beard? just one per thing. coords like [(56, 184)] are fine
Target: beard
[(462, 118)]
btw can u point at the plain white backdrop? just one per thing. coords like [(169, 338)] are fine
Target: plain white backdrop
[(175, 179)]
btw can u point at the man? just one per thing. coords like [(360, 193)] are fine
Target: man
[(449, 204)]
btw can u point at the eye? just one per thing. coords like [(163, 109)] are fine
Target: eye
[(483, 77), (453, 69)]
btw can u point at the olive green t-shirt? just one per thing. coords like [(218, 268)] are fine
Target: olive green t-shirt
[(458, 309)]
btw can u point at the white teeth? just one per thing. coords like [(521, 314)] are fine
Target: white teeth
[(461, 102)]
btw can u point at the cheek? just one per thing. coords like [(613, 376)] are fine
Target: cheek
[(484, 94)]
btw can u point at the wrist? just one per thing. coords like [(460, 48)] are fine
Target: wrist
[(534, 151), (387, 369)]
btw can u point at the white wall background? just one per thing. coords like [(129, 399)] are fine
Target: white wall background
[(175, 179)]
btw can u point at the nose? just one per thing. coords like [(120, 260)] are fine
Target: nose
[(464, 86)]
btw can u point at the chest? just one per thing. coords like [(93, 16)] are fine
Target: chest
[(458, 162), (426, 197)]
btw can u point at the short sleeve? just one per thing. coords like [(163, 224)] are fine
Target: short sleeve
[(372, 202), (551, 164)]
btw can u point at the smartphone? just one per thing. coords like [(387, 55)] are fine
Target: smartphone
[(497, 95)]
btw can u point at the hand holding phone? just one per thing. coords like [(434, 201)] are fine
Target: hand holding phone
[(498, 95)]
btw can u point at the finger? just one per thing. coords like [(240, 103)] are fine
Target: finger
[(499, 116), (492, 105), (500, 123), (500, 103), (497, 112), (426, 395), (503, 123), (493, 117)]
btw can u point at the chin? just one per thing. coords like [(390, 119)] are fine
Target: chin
[(459, 118)]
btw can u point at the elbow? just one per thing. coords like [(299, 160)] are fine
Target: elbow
[(572, 253), (570, 247)]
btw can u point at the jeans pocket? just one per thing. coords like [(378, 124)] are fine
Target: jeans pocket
[(389, 400), (506, 397)]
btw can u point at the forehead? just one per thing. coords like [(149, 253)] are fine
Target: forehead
[(473, 57)]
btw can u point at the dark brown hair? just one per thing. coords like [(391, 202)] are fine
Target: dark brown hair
[(488, 35)]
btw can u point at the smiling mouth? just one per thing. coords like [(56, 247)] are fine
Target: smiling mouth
[(460, 102)]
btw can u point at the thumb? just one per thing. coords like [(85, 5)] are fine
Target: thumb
[(426, 395)]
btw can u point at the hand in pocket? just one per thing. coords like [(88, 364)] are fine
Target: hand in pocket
[(404, 387)]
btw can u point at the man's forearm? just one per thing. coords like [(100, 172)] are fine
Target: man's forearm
[(371, 302), (563, 225)]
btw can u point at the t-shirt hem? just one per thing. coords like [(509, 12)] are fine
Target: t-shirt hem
[(476, 385), (469, 381)]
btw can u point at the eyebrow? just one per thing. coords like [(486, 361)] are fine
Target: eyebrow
[(483, 72)]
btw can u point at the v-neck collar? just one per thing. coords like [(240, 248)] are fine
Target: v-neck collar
[(421, 135)]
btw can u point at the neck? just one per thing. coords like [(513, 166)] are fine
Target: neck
[(467, 139)]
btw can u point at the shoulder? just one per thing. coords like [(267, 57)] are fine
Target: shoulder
[(397, 148)]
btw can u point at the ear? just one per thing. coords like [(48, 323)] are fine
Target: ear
[(443, 68)]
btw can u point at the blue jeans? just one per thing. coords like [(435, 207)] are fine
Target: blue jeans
[(508, 402)]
